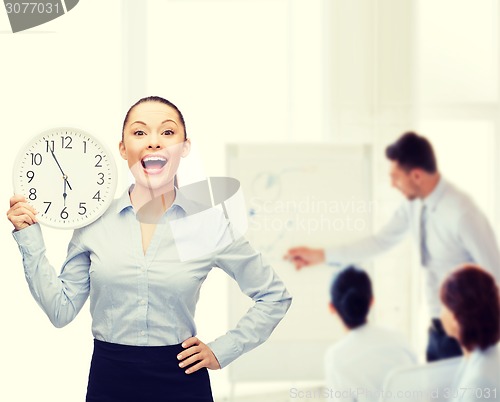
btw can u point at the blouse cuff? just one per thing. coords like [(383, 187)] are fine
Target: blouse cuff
[(29, 239), (224, 349)]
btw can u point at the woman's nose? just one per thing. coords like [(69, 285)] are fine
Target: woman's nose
[(154, 141)]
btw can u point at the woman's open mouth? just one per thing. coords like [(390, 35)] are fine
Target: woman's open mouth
[(153, 164)]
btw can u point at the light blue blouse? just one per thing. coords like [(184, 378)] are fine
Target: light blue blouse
[(150, 299)]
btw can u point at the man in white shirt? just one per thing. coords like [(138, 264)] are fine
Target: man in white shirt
[(445, 223)]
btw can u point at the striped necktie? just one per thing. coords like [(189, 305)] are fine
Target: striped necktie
[(424, 252)]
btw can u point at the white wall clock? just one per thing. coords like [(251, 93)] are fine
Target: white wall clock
[(67, 175)]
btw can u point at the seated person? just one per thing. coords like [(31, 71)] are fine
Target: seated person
[(471, 314), (356, 365)]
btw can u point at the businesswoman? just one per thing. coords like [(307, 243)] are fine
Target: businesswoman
[(142, 285), (471, 314)]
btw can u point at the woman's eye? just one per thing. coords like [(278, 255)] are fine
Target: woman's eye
[(168, 132), (139, 132)]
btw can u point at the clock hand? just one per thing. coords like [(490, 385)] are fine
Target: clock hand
[(60, 168), (64, 191)]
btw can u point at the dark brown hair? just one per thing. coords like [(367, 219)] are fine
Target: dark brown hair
[(471, 294)]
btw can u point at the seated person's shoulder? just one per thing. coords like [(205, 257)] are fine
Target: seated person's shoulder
[(338, 350), (483, 369)]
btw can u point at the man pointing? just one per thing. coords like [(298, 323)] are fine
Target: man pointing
[(446, 225)]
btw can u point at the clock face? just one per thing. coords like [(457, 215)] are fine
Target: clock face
[(67, 175)]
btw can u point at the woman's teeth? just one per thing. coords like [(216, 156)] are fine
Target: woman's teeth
[(153, 163)]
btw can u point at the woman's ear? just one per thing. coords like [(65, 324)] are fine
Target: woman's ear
[(123, 151), (186, 148), (332, 308)]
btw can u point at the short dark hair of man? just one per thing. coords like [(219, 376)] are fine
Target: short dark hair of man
[(412, 151)]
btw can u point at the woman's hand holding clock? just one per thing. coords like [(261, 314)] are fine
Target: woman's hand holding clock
[(21, 214)]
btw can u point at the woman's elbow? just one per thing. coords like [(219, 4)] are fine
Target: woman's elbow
[(284, 304), (59, 322), (288, 302), (60, 319)]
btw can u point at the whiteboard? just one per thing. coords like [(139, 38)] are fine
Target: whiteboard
[(298, 194)]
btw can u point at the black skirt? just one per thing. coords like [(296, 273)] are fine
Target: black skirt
[(123, 373)]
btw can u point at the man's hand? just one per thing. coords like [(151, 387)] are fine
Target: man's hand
[(304, 257), (199, 353), (21, 214)]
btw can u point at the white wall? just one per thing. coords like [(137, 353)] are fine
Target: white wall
[(67, 72)]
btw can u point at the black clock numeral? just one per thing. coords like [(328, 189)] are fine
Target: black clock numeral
[(32, 195), (48, 206), (50, 145), (98, 164), (66, 142), (97, 196), (36, 159), (31, 175), (101, 179), (84, 147), (82, 207), (64, 214)]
